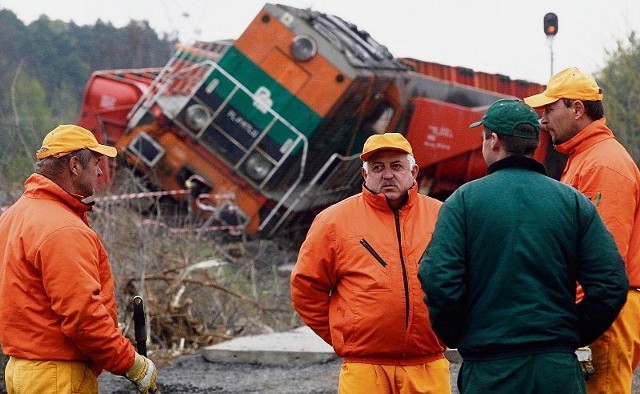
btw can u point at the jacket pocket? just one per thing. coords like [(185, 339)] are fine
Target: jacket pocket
[(375, 254)]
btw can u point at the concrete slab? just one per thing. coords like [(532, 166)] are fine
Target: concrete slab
[(300, 346)]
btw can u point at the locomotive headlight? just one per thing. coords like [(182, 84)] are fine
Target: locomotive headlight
[(257, 167), (303, 48), (197, 116)]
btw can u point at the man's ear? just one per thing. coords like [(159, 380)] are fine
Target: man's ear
[(578, 108), (495, 142), (74, 164)]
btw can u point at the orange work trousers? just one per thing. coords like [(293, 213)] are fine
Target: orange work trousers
[(429, 378), (49, 377), (616, 353)]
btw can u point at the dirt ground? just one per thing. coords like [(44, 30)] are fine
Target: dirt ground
[(193, 374)]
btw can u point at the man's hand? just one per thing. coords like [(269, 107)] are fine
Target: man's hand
[(143, 374)]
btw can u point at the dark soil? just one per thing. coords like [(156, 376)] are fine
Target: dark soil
[(194, 375)]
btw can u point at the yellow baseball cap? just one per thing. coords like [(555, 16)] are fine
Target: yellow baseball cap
[(68, 138), (386, 141), (570, 83)]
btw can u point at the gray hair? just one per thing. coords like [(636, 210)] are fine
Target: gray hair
[(52, 166), (410, 159)]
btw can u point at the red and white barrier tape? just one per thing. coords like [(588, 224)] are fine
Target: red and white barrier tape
[(132, 196), (234, 230), (200, 202)]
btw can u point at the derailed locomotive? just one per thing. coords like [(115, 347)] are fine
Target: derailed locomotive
[(277, 118)]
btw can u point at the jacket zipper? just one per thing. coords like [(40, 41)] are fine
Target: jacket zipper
[(373, 252), (404, 269)]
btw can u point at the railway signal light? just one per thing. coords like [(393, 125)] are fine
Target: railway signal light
[(551, 29), (550, 24)]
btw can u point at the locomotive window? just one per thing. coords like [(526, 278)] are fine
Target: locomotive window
[(382, 123), (147, 149), (380, 118)]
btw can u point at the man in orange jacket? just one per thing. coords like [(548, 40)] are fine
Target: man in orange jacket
[(601, 168), (355, 282), (58, 319)]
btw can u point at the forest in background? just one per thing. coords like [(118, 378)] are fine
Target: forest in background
[(44, 67)]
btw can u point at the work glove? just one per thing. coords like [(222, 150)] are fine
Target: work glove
[(143, 374), (585, 361)]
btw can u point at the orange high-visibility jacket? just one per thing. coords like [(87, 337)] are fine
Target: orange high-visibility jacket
[(601, 168), (57, 298), (355, 283)]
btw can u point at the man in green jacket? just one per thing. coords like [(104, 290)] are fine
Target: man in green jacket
[(501, 269)]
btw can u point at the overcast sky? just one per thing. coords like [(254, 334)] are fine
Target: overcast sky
[(499, 36)]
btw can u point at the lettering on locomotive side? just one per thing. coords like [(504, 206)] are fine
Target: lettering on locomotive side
[(440, 131), (433, 138), (242, 123), (437, 145)]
